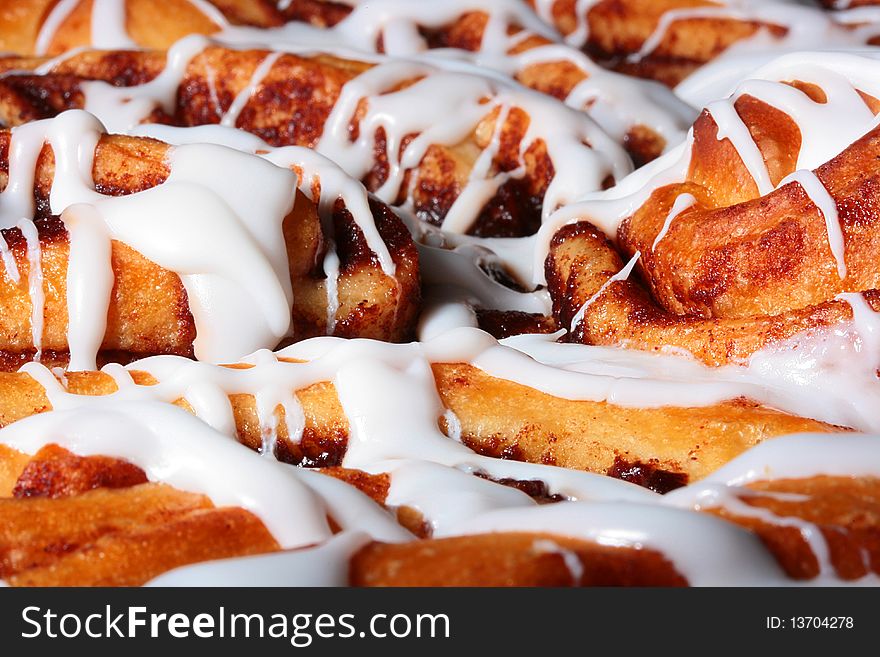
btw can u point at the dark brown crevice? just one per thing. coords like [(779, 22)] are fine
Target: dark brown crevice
[(647, 475)]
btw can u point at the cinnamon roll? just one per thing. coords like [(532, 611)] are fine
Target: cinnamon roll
[(407, 293), (465, 151), (118, 246), (757, 234), (503, 35), (293, 405), (762, 519), (703, 48)]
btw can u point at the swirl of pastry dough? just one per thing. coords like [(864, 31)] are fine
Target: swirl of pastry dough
[(503, 35), (769, 222), (118, 246), (465, 150)]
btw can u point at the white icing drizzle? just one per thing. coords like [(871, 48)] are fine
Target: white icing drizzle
[(201, 196), (108, 23), (173, 447), (122, 108), (446, 496), (109, 28), (207, 192), (582, 32), (732, 128), (606, 210), (387, 391), (544, 9), (570, 371), (610, 97), (444, 107), (622, 275), (788, 457), (617, 102), (453, 425), (806, 29), (50, 64), (17, 198), (682, 202), (324, 565), (9, 261), (690, 13), (730, 499), (861, 20), (839, 75), (244, 96), (211, 79), (707, 551), (209, 9), (88, 285), (834, 368), (310, 166), (819, 196), (351, 509), (54, 20), (455, 272), (331, 271), (482, 186), (569, 558)]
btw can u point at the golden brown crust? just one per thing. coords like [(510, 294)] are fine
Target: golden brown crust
[(56, 472), (255, 13), (142, 530), (150, 24), (749, 254), (581, 260), (619, 28), (508, 560), (555, 77), (137, 556), (736, 271), (290, 107), (101, 524), (845, 511), (506, 419)]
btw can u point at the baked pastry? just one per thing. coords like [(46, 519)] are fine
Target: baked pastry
[(506, 37), (754, 236), (495, 168), (57, 26), (703, 48), (291, 405), (501, 35), (794, 525), (95, 226), (489, 169), (623, 373)]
